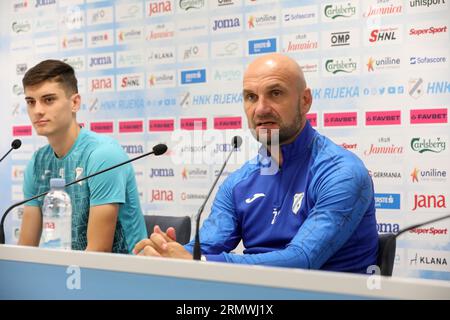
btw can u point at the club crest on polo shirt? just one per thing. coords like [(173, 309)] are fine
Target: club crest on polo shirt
[(78, 173), (297, 203)]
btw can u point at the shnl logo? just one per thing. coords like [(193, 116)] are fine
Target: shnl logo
[(341, 66), (422, 145)]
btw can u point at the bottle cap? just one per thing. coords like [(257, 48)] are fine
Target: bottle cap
[(57, 183)]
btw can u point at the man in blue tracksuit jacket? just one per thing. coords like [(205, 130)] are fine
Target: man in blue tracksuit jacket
[(316, 211)]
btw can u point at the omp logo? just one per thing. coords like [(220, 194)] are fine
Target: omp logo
[(429, 201), (226, 24), (435, 145), (159, 8)]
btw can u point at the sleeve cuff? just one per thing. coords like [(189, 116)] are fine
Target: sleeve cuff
[(215, 257)]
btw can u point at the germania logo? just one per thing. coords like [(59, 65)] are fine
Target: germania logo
[(337, 66), (422, 145)]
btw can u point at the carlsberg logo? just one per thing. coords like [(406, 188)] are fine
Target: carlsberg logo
[(422, 145), (339, 11), (336, 66)]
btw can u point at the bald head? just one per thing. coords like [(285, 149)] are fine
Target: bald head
[(276, 97), (276, 63)]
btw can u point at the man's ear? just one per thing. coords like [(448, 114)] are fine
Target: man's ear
[(76, 102), (306, 101)]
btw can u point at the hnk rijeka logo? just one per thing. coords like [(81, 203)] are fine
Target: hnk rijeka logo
[(422, 145)]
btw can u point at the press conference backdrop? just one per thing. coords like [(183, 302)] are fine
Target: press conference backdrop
[(171, 71)]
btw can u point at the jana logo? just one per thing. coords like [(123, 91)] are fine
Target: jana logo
[(339, 11), (422, 145), (340, 66)]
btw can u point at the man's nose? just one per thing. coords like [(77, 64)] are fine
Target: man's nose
[(262, 107), (38, 108)]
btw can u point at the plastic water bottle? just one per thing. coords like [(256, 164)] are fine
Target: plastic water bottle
[(57, 217)]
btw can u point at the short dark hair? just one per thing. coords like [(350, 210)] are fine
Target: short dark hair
[(52, 70)]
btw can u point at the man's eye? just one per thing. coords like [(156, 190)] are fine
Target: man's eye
[(250, 97), (49, 100), (276, 93), (29, 102)]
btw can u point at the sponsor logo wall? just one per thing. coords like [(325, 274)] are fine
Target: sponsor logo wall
[(170, 71)]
